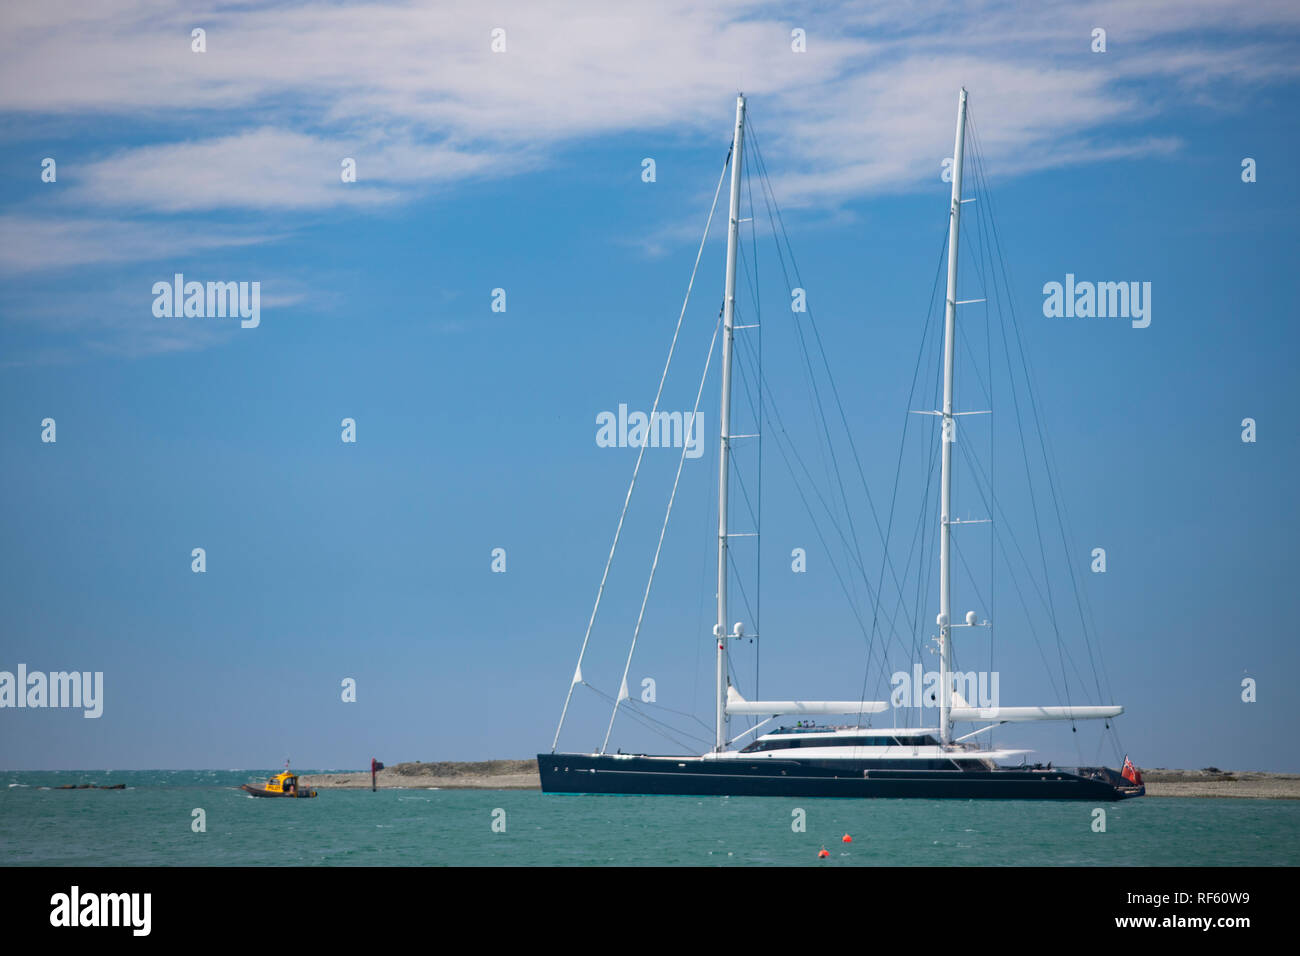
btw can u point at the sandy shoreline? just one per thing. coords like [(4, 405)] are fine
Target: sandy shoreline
[(1243, 784), (522, 775), (483, 775)]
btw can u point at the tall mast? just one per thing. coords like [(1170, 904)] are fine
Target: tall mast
[(724, 461), (948, 433)]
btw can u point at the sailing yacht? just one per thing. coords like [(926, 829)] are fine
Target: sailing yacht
[(807, 759)]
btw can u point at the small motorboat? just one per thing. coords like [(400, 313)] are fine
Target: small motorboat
[(281, 785)]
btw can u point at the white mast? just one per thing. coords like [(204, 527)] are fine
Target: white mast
[(728, 317), (948, 435)]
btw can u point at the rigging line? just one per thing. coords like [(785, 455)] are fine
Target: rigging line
[(741, 345), (610, 698), (740, 479), (999, 536), (769, 200), (973, 366), (977, 473), (996, 509), (816, 527), (635, 710), (663, 530), (744, 492), (659, 728), (1087, 621), (925, 585), (978, 243), (917, 547), (654, 726), (985, 218), (641, 452), (809, 381), (919, 539), (961, 326), (805, 353), (672, 710), (745, 373), (1043, 444), (740, 583), (898, 465), (749, 505), (758, 522), (922, 546), (1033, 499), (1092, 623), (1063, 522), (750, 280), (710, 544), (772, 204), (990, 291), (974, 585), (929, 451), (834, 388), (1024, 605), (782, 434), (1068, 656), (758, 545), (856, 552), (987, 275)]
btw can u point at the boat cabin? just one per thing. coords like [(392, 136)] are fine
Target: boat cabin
[(812, 735), (283, 783)]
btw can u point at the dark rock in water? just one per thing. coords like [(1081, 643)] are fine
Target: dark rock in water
[(90, 786)]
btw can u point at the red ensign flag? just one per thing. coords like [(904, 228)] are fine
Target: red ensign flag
[(1131, 773)]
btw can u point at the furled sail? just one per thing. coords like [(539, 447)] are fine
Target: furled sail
[(963, 711), (738, 705)]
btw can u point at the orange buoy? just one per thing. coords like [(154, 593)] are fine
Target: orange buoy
[(823, 853), (846, 839)]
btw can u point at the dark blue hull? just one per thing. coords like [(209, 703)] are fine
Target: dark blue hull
[(698, 776)]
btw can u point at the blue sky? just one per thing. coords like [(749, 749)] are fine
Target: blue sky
[(476, 429)]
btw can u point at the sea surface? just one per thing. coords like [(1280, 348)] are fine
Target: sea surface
[(151, 824)]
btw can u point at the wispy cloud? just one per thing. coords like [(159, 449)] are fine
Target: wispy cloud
[(415, 94), (241, 145), (272, 169), (33, 243), (117, 319)]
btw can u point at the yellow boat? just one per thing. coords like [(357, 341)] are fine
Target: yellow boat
[(281, 785)]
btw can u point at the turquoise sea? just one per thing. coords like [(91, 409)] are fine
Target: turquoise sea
[(150, 824)]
